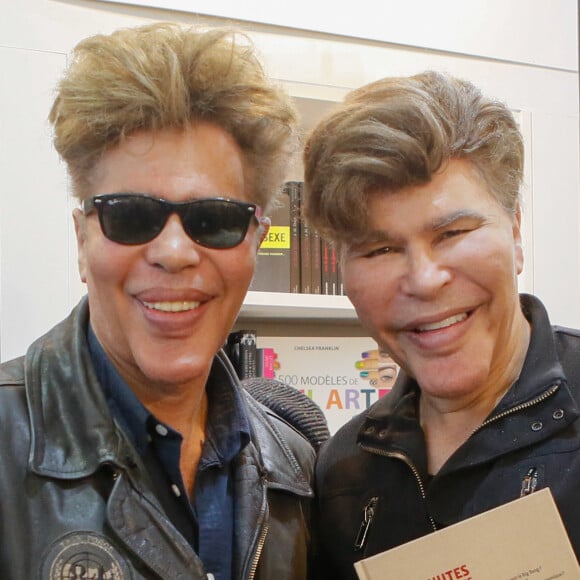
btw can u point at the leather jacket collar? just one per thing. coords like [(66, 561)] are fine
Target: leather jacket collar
[(73, 433), (72, 430)]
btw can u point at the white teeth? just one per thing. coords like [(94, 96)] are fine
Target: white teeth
[(181, 306), (442, 323)]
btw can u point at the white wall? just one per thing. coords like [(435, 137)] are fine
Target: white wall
[(38, 280), (505, 30)]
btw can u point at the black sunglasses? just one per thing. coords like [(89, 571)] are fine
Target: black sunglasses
[(135, 218)]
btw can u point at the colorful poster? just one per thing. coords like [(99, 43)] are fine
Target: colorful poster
[(343, 375)]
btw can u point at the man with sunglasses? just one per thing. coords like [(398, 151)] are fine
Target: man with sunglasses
[(129, 448)]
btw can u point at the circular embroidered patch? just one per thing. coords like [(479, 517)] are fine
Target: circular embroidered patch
[(84, 556)]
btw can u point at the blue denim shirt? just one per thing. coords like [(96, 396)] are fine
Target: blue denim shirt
[(207, 522)]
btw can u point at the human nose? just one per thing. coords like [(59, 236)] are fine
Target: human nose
[(425, 273), (173, 250)]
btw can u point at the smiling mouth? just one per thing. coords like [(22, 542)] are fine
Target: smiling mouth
[(442, 323), (179, 306)]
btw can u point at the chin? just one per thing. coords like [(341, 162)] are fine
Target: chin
[(178, 374), (460, 387)]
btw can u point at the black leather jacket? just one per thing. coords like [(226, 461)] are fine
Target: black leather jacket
[(378, 461), (76, 501)]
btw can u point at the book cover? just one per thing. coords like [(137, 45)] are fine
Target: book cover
[(273, 262), (241, 348), (343, 375), (294, 192), (524, 538)]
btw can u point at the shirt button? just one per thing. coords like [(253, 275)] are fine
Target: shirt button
[(175, 489), (161, 429)]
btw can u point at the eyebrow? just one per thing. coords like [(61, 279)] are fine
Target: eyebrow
[(447, 220), (435, 225)]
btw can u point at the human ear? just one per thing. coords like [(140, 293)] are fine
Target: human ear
[(79, 219), (517, 234)]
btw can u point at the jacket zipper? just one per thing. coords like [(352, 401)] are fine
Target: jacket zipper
[(368, 516), (418, 479), (529, 482), (548, 393), (258, 552)]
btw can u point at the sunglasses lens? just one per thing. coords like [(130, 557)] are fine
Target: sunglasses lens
[(131, 220), (138, 219), (217, 223)]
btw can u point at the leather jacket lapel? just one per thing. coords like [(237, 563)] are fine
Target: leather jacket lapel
[(139, 523)]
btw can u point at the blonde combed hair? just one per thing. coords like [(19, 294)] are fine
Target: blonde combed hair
[(163, 76)]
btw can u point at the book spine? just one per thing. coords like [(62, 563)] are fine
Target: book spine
[(242, 351), (248, 355), (305, 253), (265, 360), (315, 263), (334, 270), (339, 284), (295, 234), (326, 282)]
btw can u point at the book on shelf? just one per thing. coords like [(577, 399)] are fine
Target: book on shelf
[(273, 261), (294, 193), (305, 256), (339, 288), (266, 363), (315, 263), (524, 538), (325, 273), (241, 349), (293, 257), (334, 270)]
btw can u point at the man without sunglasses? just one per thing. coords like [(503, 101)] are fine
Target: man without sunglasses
[(417, 179), (129, 448)]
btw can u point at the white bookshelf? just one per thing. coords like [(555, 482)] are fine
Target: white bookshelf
[(282, 306)]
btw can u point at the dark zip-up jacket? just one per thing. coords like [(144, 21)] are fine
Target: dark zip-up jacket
[(76, 500), (372, 485)]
